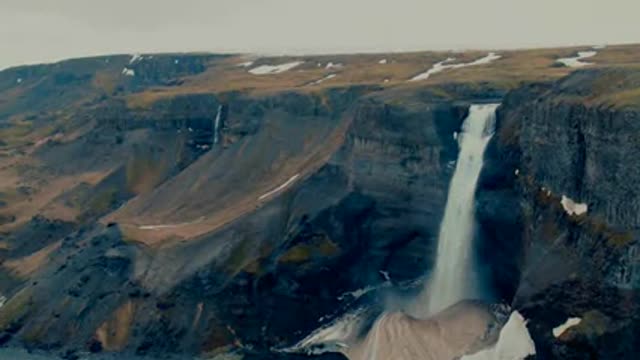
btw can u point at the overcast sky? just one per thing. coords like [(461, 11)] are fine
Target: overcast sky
[(47, 30)]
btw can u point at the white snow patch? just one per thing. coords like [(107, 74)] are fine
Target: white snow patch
[(517, 172), (128, 72), (385, 275), (169, 226), (279, 188), (599, 47), (275, 69), (357, 294), (332, 337), (331, 65), (575, 61), (382, 62), (572, 207), (386, 80), (135, 57), (319, 81), (514, 342), (245, 64), (442, 65), (19, 81), (571, 322)]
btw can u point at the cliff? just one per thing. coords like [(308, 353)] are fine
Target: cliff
[(559, 145)]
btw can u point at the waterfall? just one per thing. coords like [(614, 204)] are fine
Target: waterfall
[(452, 279), (217, 125)]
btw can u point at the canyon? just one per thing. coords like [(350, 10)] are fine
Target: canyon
[(228, 206)]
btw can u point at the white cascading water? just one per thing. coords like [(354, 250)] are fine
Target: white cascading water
[(452, 279), (216, 127)]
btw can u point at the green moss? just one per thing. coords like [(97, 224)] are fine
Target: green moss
[(15, 309), (593, 324), (101, 203), (317, 248)]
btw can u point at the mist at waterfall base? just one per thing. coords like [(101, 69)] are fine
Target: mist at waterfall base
[(455, 276)]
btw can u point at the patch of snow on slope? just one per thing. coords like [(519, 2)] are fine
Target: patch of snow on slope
[(571, 322), (442, 65), (332, 337), (382, 62), (275, 69), (319, 81), (572, 207), (245, 64), (576, 61), (599, 47), (514, 342), (331, 65), (134, 58), (279, 188), (128, 72), (169, 226)]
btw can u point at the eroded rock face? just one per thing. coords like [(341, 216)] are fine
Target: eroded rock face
[(367, 208), (552, 143)]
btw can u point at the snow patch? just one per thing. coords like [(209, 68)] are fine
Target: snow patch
[(517, 172), (385, 275), (357, 294), (442, 65), (128, 72), (382, 62), (575, 61), (599, 47), (279, 188), (332, 337), (319, 81), (331, 65), (135, 57), (169, 226), (573, 208), (386, 81), (571, 322), (245, 64), (455, 135), (275, 69), (514, 342)]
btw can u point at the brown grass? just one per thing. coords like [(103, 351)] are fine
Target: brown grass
[(28, 265), (114, 333)]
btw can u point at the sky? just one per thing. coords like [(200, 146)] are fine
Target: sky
[(33, 31)]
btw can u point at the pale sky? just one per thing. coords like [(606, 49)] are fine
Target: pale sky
[(34, 31)]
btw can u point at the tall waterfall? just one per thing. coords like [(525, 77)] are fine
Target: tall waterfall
[(452, 279)]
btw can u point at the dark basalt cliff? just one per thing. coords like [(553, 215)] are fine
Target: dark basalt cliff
[(555, 140)]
